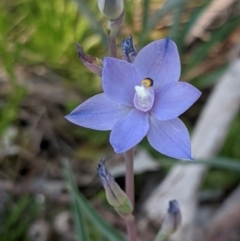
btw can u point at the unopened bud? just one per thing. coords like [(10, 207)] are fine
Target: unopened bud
[(171, 222), (128, 49), (112, 9), (116, 197), (92, 63)]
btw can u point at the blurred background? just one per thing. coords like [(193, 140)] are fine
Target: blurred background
[(42, 80)]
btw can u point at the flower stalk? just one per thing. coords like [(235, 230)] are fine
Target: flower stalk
[(112, 47), (112, 30), (129, 185)]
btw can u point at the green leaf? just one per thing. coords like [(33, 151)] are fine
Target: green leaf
[(176, 23), (106, 229), (219, 162), (144, 19), (80, 222), (222, 162)]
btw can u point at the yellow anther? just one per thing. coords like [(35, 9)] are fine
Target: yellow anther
[(148, 82)]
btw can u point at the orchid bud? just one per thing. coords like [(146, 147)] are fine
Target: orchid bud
[(112, 9), (128, 49), (92, 63), (171, 222), (116, 197)]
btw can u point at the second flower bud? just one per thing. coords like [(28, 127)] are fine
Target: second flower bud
[(116, 197)]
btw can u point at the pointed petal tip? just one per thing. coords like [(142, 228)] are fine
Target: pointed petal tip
[(70, 119), (199, 94), (188, 159), (67, 117), (117, 149)]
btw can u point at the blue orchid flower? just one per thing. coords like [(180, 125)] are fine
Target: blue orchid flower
[(143, 98)]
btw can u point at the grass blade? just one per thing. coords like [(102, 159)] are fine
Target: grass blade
[(219, 162), (81, 227), (222, 162), (145, 8), (176, 23), (80, 222)]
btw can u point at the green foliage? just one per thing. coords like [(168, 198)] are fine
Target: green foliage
[(44, 32), (17, 218), (9, 112)]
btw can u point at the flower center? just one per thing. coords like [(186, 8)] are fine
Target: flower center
[(144, 96)]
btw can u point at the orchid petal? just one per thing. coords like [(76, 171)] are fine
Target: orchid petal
[(119, 79), (129, 131), (172, 99), (98, 113), (171, 138), (159, 61)]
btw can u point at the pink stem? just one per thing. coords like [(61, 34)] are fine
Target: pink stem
[(129, 158), (112, 46)]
